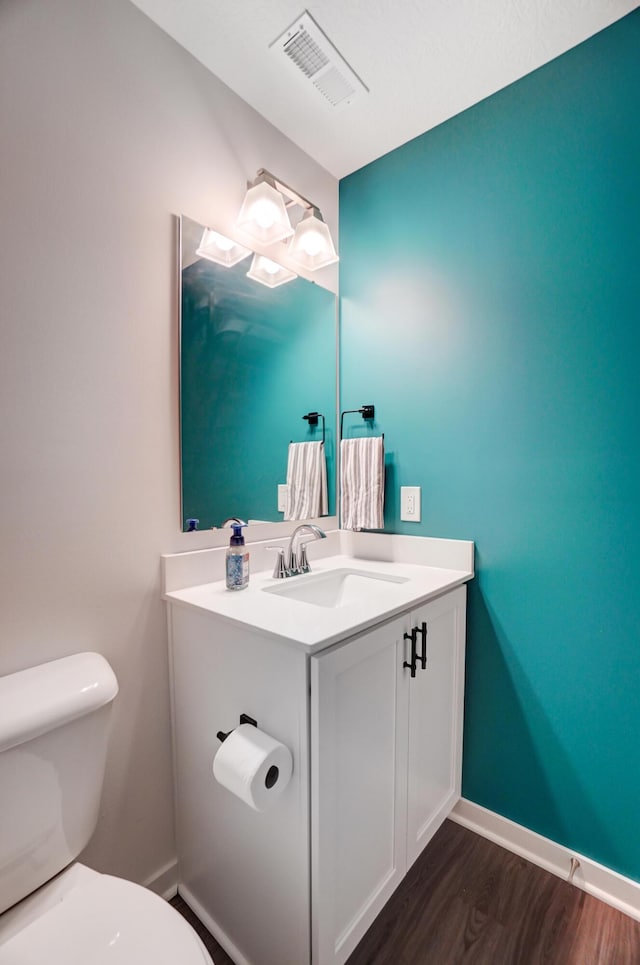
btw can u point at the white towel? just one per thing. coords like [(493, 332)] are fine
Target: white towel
[(306, 481), (362, 483)]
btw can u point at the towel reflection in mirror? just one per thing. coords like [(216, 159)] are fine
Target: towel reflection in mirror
[(306, 481)]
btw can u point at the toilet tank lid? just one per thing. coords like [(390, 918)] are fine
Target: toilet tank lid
[(42, 698)]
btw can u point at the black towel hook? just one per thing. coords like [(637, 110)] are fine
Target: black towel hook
[(312, 419), (366, 411)]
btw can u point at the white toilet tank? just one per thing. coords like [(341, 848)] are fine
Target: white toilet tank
[(53, 744)]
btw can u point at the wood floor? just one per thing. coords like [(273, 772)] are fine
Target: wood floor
[(467, 901), (218, 954)]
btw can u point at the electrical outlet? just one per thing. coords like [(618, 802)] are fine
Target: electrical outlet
[(283, 490), (410, 504)]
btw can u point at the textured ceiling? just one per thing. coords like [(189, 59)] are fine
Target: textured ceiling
[(422, 60)]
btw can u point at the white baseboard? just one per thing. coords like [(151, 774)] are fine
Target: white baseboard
[(165, 881), (597, 880), (213, 928)]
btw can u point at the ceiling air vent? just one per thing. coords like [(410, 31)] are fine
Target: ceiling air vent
[(310, 51)]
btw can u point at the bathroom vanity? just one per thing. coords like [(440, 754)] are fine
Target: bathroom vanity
[(358, 668)]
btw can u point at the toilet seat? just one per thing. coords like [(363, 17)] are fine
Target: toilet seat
[(83, 917)]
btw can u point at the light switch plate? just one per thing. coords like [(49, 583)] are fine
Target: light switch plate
[(410, 504), (282, 497)]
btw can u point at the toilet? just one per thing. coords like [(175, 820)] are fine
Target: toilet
[(53, 742)]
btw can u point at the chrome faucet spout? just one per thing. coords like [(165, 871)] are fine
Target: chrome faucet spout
[(314, 531), (297, 561)]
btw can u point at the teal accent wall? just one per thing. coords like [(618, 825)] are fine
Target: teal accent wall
[(490, 309), (253, 361)]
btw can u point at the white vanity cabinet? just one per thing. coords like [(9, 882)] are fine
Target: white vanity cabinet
[(376, 750), (385, 764)]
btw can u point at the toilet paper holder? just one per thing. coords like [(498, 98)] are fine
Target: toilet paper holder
[(273, 773), (244, 719)]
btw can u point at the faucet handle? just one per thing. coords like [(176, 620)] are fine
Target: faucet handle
[(303, 560), (293, 566), (280, 570)]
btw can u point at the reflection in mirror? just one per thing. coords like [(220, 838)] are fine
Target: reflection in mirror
[(253, 362)]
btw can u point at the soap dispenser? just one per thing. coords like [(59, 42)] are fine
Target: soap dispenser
[(237, 559)]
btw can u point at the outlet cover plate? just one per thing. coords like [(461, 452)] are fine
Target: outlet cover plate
[(410, 507), (282, 497)]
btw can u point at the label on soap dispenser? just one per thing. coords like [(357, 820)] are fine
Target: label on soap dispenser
[(237, 571)]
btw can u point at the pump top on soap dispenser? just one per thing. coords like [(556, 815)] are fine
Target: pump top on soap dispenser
[(237, 559)]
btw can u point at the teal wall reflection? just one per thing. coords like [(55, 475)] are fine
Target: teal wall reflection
[(253, 361)]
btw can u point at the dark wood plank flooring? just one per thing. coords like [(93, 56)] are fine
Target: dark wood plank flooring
[(467, 901), (217, 953)]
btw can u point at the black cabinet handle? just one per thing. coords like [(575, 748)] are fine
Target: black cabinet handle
[(423, 655), (412, 666)]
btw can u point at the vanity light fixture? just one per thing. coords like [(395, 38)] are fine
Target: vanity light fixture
[(312, 246), (264, 216), (268, 272), (216, 247)]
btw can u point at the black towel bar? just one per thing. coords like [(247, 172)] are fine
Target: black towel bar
[(366, 411), (312, 419)]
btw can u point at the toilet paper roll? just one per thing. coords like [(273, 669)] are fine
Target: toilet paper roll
[(253, 766)]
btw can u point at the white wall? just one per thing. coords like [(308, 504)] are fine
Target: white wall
[(107, 129)]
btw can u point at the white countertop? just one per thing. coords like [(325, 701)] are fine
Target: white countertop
[(312, 627)]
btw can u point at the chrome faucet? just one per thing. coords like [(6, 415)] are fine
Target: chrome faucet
[(297, 561), (289, 561)]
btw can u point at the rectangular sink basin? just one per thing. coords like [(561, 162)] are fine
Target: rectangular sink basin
[(336, 588)]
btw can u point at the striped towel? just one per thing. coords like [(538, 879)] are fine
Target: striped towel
[(362, 483), (306, 481)]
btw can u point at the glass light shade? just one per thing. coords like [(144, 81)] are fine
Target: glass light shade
[(216, 247), (269, 273), (263, 214), (312, 246)]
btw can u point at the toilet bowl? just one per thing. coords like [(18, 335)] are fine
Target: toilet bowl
[(86, 918), (54, 910)]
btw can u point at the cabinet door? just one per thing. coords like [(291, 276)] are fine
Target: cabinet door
[(435, 720), (358, 787)]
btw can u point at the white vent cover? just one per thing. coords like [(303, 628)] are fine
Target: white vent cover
[(310, 51)]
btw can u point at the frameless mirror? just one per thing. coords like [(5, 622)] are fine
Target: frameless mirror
[(253, 361)]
